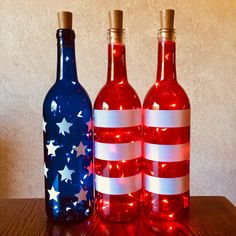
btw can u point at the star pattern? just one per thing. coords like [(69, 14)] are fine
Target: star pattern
[(45, 171), (66, 173), (80, 114), (52, 148), (81, 195), (68, 179), (53, 194), (80, 149), (64, 126), (90, 125)]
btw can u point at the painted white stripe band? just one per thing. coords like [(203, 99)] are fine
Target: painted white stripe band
[(166, 153), (166, 186), (167, 118), (117, 118), (118, 186), (118, 151)]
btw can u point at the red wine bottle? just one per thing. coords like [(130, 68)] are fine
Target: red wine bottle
[(117, 135), (166, 137)]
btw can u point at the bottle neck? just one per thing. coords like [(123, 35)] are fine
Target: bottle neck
[(66, 62), (116, 58), (166, 67)]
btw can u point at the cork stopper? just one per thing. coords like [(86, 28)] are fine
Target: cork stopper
[(64, 20), (116, 19), (167, 19)]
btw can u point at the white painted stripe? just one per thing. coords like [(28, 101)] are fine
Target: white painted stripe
[(166, 186), (118, 151), (117, 118), (118, 186), (167, 118), (166, 153)]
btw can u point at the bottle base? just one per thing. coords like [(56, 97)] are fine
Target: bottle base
[(161, 226), (170, 216), (117, 218), (68, 219)]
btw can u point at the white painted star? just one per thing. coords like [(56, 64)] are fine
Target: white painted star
[(66, 173), (90, 125), (53, 194), (90, 168), (80, 114), (45, 171), (81, 195), (52, 148), (80, 149), (44, 126), (64, 126)]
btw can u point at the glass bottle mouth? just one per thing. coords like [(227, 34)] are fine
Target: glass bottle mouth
[(65, 33), (166, 35), (65, 37), (116, 35)]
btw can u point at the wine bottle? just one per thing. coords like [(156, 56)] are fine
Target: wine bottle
[(117, 135), (68, 138), (166, 137)]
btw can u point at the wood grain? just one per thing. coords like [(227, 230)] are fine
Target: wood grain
[(207, 216)]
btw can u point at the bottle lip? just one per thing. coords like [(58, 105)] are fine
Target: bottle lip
[(116, 35), (65, 33), (166, 34)]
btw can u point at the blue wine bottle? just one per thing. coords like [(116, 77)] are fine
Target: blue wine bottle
[(68, 138)]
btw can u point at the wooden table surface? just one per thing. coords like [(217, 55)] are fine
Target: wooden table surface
[(207, 216)]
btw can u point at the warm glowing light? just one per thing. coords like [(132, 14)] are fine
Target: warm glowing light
[(105, 106), (155, 106), (163, 165), (173, 105), (165, 200), (110, 166), (171, 215), (118, 136), (167, 56), (123, 161), (131, 204), (121, 108)]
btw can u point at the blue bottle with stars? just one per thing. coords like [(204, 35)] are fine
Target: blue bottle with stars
[(68, 154)]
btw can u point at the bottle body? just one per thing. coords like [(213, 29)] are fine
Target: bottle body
[(117, 137), (68, 147), (166, 141)]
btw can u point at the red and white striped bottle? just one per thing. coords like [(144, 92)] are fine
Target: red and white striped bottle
[(117, 136), (166, 138)]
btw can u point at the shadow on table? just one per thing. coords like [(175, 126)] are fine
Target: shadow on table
[(95, 226)]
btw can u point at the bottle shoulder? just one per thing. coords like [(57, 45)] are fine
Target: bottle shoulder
[(66, 99), (166, 95), (115, 96)]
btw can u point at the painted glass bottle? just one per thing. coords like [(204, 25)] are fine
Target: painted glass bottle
[(117, 135), (166, 137), (68, 154)]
